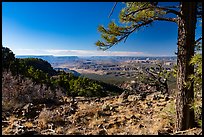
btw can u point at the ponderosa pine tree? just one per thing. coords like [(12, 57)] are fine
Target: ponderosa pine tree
[(141, 14)]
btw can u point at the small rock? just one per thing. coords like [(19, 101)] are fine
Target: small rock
[(156, 97), (100, 126), (27, 106), (162, 104), (161, 96), (132, 98), (48, 132), (141, 126), (50, 126), (143, 96), (5, 123), (109, 126), (167, 98), (149, 104), (133, 117), (121, 100), (97, 100), (105, 107), (124, 95), (105, 120)]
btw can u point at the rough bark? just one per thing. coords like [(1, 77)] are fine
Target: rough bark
[(186, 38)]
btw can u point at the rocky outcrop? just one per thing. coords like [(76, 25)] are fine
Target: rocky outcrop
[(127, 114)]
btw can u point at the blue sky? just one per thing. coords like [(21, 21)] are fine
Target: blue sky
[(70, 28)]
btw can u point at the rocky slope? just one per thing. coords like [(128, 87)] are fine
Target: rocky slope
[(118, 115)]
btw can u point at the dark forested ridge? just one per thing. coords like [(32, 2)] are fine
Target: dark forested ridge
[(39, 64), (41, 72)]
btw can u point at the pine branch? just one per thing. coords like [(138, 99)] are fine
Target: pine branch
[(112, 9), (155, 7), (166, 19), (172, 7), (137, 25), (151, 73), (126, 34), (133, 12), (169, 10), (134, 28), (199, 39)]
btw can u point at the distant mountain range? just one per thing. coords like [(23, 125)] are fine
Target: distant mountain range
[(97, 57), (61, 59)]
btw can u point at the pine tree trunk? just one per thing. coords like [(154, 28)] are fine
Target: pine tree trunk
[(186, 38)]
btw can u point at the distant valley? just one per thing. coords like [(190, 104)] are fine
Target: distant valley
[(109, 69)]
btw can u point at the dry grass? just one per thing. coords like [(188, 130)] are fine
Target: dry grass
[(44, 117), (169, 112), (95, 123), (28, 124), (7, 129), (84, 116), (42, 123), (59, 130), (123, 120), (66, 99), (73, 131)]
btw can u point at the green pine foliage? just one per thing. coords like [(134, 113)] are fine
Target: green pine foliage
[(39, 64), (196, 61), (134, 16)]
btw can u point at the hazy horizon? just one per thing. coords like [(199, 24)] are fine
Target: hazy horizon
[(86, 53), (92, 56)]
